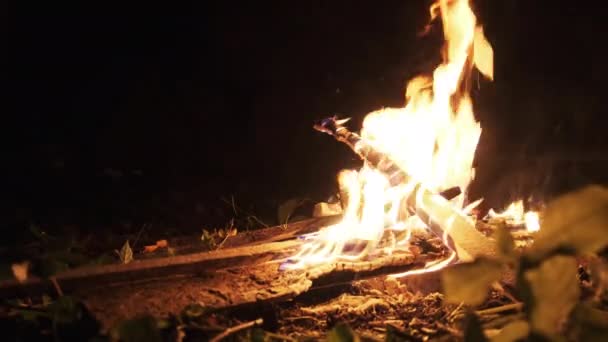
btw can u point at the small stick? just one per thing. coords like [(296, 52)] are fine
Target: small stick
[(56, 286), (236, 328), (499, 309)]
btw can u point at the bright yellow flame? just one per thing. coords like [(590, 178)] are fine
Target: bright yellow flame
[(432, 138), (532, 221), (515, 214)]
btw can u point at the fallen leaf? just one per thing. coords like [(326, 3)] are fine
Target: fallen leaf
[(153, 248), (208, 239), (555, 290), (286, 209), (514, 331), (150, 248), (21, 270), (126, 253), (469, 283), (232, 231)]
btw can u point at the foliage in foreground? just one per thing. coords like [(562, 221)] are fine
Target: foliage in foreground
[(546, 277)]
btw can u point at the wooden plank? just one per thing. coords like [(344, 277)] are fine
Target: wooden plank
[(265, 244)]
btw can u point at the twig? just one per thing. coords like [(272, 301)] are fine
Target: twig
[(502, 321), (236, 209), (450, 330), (452, 314), (236, 328), (312, 318), (143, 227), (499, 309), (255, 218), (56, 285)]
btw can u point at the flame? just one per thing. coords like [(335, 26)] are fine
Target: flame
[(433, 138), (532, 221), (515, 214)]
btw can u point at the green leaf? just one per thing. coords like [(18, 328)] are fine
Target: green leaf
[(126, 253), (193, 311), (69, 258), (38, 233), (555, 291), (505, 243), (286, 209), (65, 309), (139, 329), (469, 283), (72, 320), (578, 220), (472, 329), (514, 331), (31, 315), (103, 259), (48, 266), (589, 324), (342, 333), (257, 335)]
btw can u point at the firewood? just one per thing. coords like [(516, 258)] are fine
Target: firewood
[(237, 288), (247, 249), (442, 218)]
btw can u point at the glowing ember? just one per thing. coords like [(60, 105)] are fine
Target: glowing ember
[(516, 215), (433, 139)]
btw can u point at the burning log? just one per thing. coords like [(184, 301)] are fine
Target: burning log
[(227, 278), (442, 218)]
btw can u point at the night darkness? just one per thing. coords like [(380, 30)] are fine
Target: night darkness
[(153, 113)]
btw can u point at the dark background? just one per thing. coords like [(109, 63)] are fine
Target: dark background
[(140, 113)]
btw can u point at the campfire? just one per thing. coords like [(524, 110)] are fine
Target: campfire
[(417, 162), (406, 211)]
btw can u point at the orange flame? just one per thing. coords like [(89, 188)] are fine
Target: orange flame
[(516, 215), (433, 138)]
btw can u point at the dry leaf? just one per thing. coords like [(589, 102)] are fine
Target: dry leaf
[(153, 248), (150, 248), (126, 253), (20, 271)]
